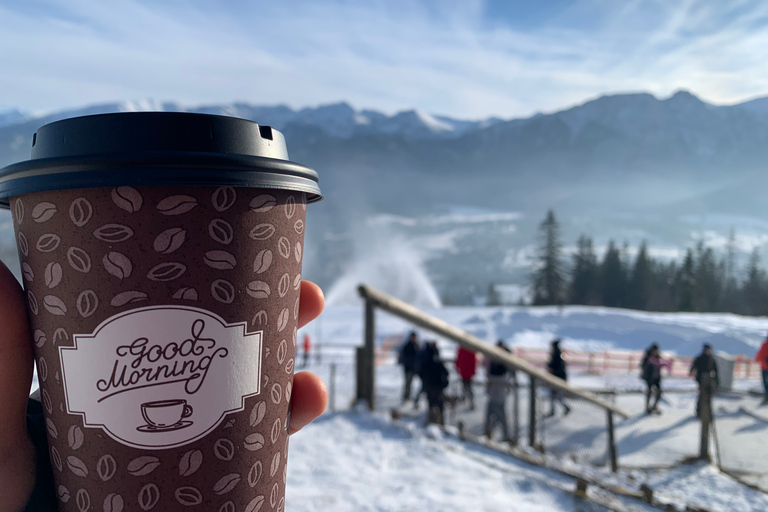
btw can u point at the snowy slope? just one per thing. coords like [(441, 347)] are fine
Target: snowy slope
[(580, 327), (354, 462)]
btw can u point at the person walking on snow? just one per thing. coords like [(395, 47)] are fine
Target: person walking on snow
[(466, 365), (651, 373), (307, 348), (556, 367), (762, 358), (434, 379), (408, 358), (704, 365), (498, 384)]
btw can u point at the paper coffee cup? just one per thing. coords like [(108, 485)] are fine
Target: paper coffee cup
[(161, 259)]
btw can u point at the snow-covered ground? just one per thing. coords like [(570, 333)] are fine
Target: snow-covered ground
[(355, 461)]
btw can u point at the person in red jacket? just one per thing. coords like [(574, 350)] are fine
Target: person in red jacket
[(466, 364), (762, 358), (307, 348)]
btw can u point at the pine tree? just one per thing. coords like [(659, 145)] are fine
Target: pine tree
[(709, 280), (493, 298), (585, 274), (686, 282), (754, 289), (731, 298), (641, 282), (548, 279), (613, 276), (664, 290)]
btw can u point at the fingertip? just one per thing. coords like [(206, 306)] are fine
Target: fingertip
[(308, 400), (311, 301)]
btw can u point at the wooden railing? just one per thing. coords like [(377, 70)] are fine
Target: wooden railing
[(366, 356)]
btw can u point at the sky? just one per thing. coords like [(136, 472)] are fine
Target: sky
[(463, 58)]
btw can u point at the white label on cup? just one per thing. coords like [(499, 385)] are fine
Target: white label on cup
[(161, 376)]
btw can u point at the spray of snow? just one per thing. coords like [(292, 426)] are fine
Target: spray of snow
[(388, 262)]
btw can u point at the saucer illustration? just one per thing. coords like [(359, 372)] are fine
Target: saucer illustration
[(169, 428), (165, 415)]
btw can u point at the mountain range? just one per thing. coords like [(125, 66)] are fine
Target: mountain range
[(617, 157)]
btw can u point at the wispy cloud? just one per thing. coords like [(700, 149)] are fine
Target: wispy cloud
[(461, 58)]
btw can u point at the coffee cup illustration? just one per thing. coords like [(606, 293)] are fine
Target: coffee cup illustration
[(165, 415)]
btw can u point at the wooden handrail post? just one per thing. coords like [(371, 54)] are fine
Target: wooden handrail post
[(705, 414), (369, 351), (612, 455), (441, 328)]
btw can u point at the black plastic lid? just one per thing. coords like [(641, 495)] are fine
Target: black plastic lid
[(156, 149)]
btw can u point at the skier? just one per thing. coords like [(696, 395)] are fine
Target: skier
[(408, 358), (307, 347), (556, 367), (434, 379), (651, 373), (762, 358), (499, 378), (466, 365), (704, 364)]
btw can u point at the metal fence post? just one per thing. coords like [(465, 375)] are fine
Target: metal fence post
[(612, 455), (532, 413)]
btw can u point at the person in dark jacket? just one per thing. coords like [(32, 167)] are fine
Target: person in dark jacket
[(556, 367), (704, 369), (409, 355), (651, 366), (434, 378)]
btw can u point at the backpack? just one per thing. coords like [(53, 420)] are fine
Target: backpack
[(645, 370)]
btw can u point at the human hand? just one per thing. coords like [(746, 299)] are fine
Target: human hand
[(17, 454)]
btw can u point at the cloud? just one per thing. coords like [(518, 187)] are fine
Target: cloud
[(459, 58)]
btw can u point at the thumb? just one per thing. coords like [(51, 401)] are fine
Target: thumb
[(15, 359), (16, 451)]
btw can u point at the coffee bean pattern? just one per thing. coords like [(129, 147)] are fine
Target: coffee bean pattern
[(53, 274), (95, 253), (106, 467), (39, 337), (114, 503), (63, 494), (43, 212), (221, 231), (75, 437), (170, 240), (129, 297), (83, 500), (223, 198), (118, 265), (148, 497), (42, 368), (34, 308), (190, 462), (27, 273), (48, 242), (127, 198), (142, 466), (18, 210), (80, 212)]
